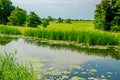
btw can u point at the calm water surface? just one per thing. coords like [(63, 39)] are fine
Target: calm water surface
[(75, 61)]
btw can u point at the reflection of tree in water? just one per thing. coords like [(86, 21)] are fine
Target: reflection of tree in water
[(87, 51), (6, 40)]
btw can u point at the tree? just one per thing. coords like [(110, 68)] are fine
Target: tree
[(33, 20), (101, 15), (68, 20), (60, 20), (6, 8), (106, 14), (45, 22), (17, 17), (50, 18)]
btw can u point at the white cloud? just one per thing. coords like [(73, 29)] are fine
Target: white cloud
[(59, 8)]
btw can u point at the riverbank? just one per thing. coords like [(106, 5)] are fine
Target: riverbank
[(84, 38), (66, 43)]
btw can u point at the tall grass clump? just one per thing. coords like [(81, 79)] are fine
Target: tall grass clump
[(9, 70), (9, 30), (88, 37)]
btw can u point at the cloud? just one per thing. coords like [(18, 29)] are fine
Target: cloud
[(60, 8)]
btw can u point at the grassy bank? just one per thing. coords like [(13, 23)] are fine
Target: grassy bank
[(9, 70), (81, 32), (9, 30), (87, 37)]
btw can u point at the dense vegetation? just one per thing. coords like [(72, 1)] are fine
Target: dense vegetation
[(6, 8), (107, 15), (17, 17), (88, 37), (9, 30), (106, 18), (12, 15), (9, 70)]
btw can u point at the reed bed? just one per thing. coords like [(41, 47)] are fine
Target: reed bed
[(9, 70), (87, 37), (9, 30)]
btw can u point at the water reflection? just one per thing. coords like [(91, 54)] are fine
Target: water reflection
[(94, 52), (6, 40), (66, 61)]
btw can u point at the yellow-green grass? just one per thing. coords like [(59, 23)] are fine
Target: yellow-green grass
[(75, 25)]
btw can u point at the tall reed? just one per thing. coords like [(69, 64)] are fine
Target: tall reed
[(9, 70), (9, 30), (88, 37)]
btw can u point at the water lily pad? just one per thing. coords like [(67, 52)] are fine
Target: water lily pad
[(77, 78)]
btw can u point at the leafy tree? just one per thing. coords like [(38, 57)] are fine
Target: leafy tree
[(101, 14), (45, 22), (5, 9), (68, 20), (50, 18), (17, 17), (106, 14), (33, 20), (60, 20)]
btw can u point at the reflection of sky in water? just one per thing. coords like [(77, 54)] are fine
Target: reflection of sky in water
[(62, 59), (59, 57)]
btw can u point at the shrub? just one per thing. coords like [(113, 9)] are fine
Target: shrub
[(68, 20), (33, 20), (45, 22), (17, 17)]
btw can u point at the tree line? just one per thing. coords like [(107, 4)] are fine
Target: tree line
[(12, 15), (107, 15)]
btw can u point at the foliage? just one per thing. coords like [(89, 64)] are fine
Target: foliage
[(45, 22), (107, 14), (9, 70), (115, 28), (9, 30), (91, 38), (60, 20), (17, 17), (68, 20), (50, 18), (33, 20), (5, 9)]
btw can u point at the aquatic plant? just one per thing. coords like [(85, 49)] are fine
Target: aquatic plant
[(87, 37), (9, 70), (9, 30)]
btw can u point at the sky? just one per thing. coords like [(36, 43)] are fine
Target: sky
[(75, 9)]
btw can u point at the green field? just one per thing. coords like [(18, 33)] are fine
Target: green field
[(75, 25)]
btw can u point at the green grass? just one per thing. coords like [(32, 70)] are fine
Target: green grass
[(78, 31), (9, 70), (9, 30), (88, 37), (76, 26)]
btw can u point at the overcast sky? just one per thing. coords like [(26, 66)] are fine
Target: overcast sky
[(76, 9)]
